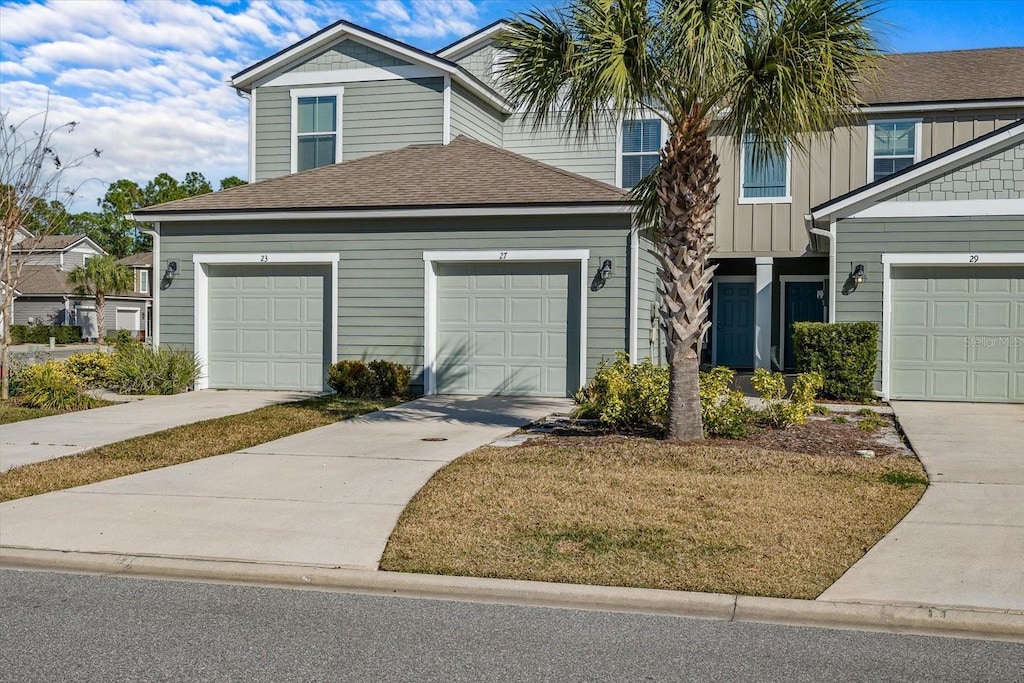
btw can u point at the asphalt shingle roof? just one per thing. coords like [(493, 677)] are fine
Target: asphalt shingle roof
[(48, 242), (465, 173), (951, 76), (144, 258), (43, 280)]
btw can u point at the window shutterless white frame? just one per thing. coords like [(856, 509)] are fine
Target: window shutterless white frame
[(785, 199), (783, 279), (432, 258), (618, 143), (871, 143), (975, 260), (336, 92), (714, 308), (143, 281), (201, 296)]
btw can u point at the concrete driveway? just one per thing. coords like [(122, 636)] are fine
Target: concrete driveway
[(45, 438), (963, 545), (327, 497)]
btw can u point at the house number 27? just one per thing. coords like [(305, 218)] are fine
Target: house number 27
[(502, 255)]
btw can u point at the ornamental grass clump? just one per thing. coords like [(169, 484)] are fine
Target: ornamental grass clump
[(52, 386), (136, 369)]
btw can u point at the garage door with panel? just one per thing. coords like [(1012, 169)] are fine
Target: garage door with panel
[(957, 333), (509, 328), (267, 326)]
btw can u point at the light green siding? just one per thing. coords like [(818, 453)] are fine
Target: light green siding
[(593, 156), (1000, 176), (480, 63), (348, 54), (473, 118), (381, 272), (649, 337), (864, 241), (376, 116)]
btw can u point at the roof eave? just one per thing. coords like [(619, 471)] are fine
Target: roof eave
[(467, 43)]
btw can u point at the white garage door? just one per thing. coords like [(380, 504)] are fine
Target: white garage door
[(267, 327), (509, 329), (958, 334)]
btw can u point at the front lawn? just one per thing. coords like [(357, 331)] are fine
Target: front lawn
[(12, 411), (183, 444), (626, 511)]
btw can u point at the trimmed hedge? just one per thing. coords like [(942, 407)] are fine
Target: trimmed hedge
[(845, 354), (379, 379), (40, 334)]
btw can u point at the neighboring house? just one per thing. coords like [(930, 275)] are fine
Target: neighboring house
[(138, 316), (451, 239), (44, 296)]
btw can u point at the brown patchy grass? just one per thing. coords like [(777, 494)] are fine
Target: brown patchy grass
[(183, 444), (623, 511)]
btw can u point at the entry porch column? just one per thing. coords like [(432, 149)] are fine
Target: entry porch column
[(763, 312)]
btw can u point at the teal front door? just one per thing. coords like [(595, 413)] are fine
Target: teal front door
[(734, 324), (805, 302)]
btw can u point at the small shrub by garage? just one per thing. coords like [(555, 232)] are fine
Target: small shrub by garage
[(844, 354), (40, 334), (137, 369), (379, 378), (626, 395)]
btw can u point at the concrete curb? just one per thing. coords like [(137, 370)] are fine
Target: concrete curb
[(922, 620)]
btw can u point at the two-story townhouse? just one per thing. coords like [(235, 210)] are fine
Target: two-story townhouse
[(419, 218)]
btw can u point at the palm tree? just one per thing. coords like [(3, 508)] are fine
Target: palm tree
[(770, 71), (100, 276)]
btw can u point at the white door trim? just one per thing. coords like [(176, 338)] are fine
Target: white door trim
[(979, 260), (201, 296), (783, 279), (431, 258), (714, 307)]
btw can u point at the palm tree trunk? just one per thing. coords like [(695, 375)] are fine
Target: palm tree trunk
[(101, 303), (687, 191)]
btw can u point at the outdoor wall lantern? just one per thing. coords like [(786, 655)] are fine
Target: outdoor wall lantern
[(606, 270), (172, 269), (858, 274)]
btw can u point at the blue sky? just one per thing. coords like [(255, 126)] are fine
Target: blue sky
[(146, 80)]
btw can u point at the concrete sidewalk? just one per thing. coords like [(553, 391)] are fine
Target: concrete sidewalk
[(45, 438), (327, 497), (963, 544)]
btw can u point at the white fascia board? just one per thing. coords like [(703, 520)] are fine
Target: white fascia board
[(939, 106), (487, 255), (470, 42), (976, 258), (560, 210), (268, 258), (955, 208), (389, 73), (965, 155)]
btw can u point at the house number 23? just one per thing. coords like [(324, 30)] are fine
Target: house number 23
[(263, 258)]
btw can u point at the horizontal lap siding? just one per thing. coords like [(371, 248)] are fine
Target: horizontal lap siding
[(386, 115), (864, 242), (474, 119), (273, 132), (381, 272), (593, 156), (648, 296)]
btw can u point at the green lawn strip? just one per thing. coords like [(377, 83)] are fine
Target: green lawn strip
[(183, 444), (13, 412), (645, 513)]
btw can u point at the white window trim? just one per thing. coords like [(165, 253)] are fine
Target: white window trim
[(783, 279), (143, 281), (786, 199), (618, 143), (871, 143), (714, 308), (337, 92), (975, 260), (201, 296), (432, 258)]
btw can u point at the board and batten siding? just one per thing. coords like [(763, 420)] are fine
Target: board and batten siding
[(381, 272), (376, 116), (593, 156), (473, 118), (863, 241), (831, 166)]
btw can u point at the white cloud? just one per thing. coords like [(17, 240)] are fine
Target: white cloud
[(427, 18)]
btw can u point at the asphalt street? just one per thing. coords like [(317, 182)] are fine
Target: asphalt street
[(99, 628)]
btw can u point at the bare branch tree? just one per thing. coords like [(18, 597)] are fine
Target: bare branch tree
[(33, 199)]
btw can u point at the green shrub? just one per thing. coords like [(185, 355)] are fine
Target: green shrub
[(392, 379), (844, 354), (92, 369), (626, 395), (40, 334), (778, 412), (724, 410), (872, 422), (136, 369), (52, 386), (352, 378), (123, 338)]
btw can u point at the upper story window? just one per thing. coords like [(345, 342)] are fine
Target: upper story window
[(316, 118), (144, 281), (641, 142), (892, 147), (764, 175)]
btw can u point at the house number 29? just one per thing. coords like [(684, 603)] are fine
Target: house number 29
[(973, 258)]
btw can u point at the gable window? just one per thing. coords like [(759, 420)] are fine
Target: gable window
[(144, 281), (316, 118), (641, 142), (892, 147), (764, 174)]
